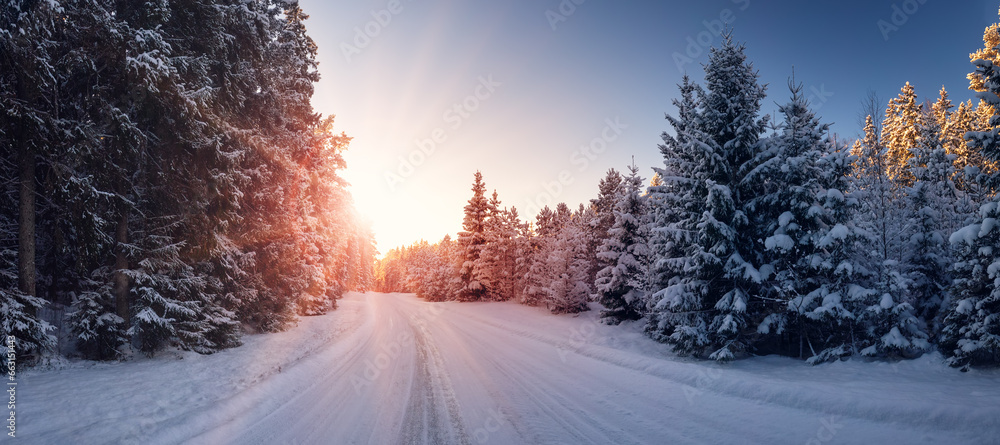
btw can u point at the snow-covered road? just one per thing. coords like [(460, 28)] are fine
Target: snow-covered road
[(392, 369)]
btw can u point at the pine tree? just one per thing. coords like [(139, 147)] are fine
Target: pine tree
[(623, 284), (674, 202), (567, 288), (677, 308), (900, 134), (803, 216), (941, 112), (882, 216), (845, 277), (499, 253), (932, 202), (517, 254), (713, 292), (969, 160), (473, 239), (609, 191), (537, 280)]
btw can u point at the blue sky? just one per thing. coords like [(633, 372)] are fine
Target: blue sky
[(544, 111)]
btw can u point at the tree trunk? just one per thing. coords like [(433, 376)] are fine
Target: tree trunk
[(26, 220), (121, 287)]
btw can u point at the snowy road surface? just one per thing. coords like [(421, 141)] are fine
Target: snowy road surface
[(392, 369)]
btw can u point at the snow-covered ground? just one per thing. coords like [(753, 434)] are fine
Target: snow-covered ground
[(390, 368)]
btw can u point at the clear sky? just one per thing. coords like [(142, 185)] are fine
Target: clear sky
[(543, 100)]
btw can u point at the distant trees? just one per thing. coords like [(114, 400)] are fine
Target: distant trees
[(165, 176), (498, 257)]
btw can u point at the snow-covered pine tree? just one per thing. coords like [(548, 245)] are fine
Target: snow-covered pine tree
[(960, 121), (609, 191), (499, 252), (677, 310), (441, 273), (673, 203), (969, 162), (422, 273), (970, 335), (844, 286), (162, 283), (971, 327), (473, 240), (718, 278), (420, 265), (517, 253), (799, 213), (655, 181), (883, 217), (941, 112), (134, 73), (914, 285), (900, 134), (932, 201), (731, 114), (622, 285), (968, 193), (540, 246), (567, 264)]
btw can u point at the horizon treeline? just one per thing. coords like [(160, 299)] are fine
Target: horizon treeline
[(165, 177), (763, 236)]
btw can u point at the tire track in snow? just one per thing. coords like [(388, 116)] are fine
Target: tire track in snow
[(434, 415)]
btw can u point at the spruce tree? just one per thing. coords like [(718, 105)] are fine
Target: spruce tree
[(673, 203), (609, 191), (803, 217), (622, 285), (540, 246), (567, 264), (473, 240), (900, 131), (712, 294), (883, 218), (932, 202)]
